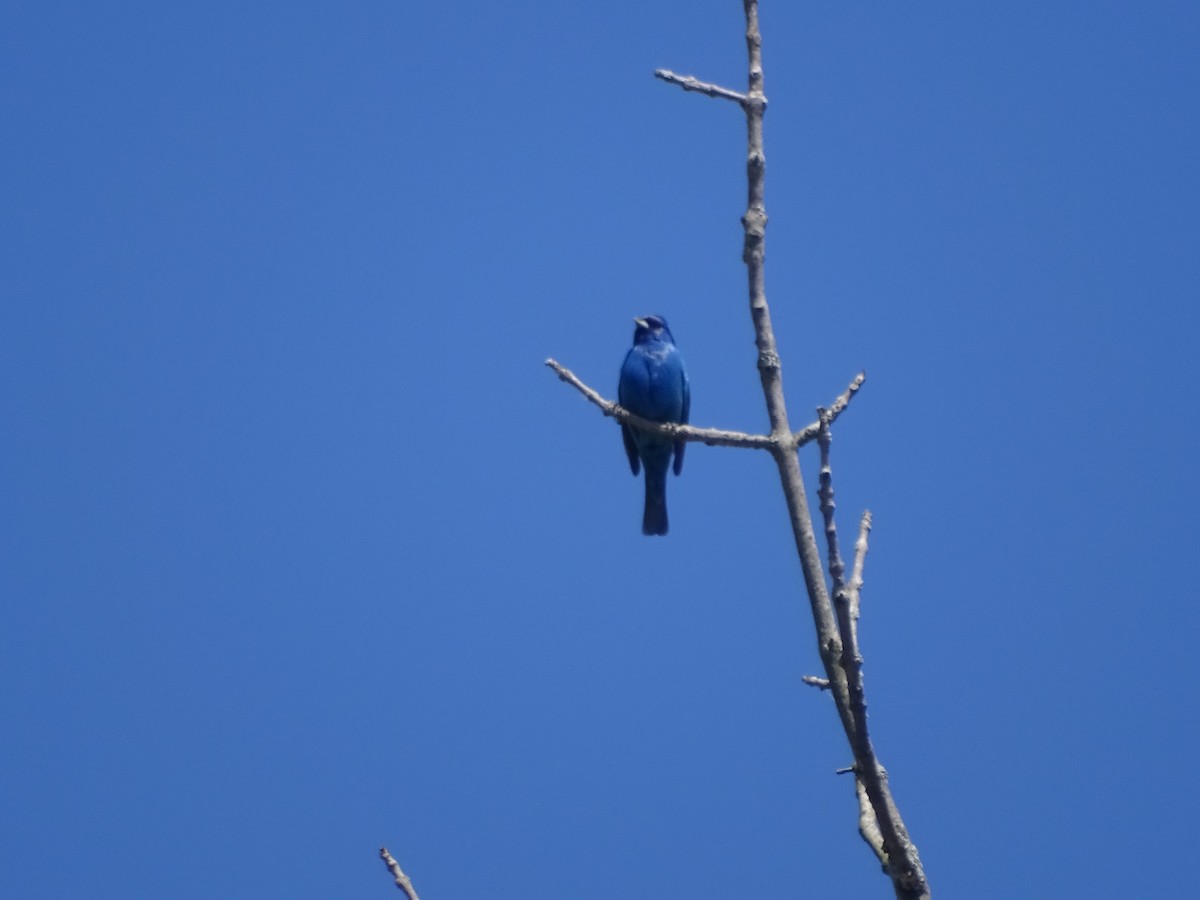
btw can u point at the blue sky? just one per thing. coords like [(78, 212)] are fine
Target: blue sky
[(304, 551)]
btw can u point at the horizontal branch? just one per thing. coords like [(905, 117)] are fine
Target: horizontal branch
[(690, 83), (714, 437)]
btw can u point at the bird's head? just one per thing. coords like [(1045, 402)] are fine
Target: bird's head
[(652, 328)]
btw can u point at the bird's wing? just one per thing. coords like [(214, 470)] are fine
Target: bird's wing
[(683, 418), (630, 448), (626, 387), (687, 400)]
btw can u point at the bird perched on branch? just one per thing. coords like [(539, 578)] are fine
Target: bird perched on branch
[(654, 385)]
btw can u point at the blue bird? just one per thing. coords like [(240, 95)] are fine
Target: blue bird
[(654, 385)]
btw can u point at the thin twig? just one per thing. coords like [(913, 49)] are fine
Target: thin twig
[(847, 601), (690, 83), (856, 573), (837, 571), (402, 881), (810, 432), (821, 684)]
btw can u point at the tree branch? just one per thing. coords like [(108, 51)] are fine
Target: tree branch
[(402, 881), (689, 83), (809, 432), (868, 825), (754, 225), (835, 618), (836, 639), (837, 571), (899, 853), (856, 574), (713, 437)]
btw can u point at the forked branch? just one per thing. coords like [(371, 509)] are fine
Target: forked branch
[(835, 618), (837, 637)]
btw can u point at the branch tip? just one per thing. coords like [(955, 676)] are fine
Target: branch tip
[(402, 881), (812, 431)]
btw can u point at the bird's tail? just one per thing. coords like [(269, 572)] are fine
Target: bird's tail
[(654, 516)]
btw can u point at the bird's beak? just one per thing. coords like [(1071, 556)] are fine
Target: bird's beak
[(641, 323)]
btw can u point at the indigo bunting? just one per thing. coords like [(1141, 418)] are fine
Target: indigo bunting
[(654, 386)]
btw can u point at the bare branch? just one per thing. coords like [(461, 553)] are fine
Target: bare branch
[(754, 226), (690, 83), (809, 432), (868, 825), (836, 636), (837, 571), (903, 863), (856, 574), (402, 881), (835, 618), (713, 437)]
